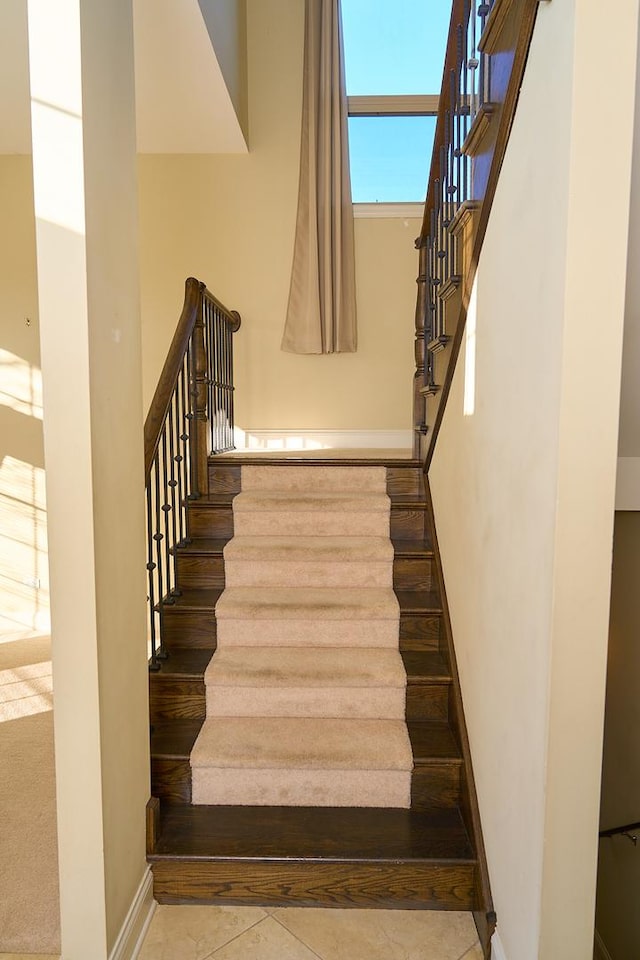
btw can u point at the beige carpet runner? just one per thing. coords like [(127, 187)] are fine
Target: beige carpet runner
[(306, 691)]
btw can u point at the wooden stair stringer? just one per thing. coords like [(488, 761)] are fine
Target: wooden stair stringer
[(485, 915), (178, 709)]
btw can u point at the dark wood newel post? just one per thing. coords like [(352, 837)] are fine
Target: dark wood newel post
[(419, 420), (199, 392)]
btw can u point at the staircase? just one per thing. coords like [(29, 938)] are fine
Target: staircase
[(230, 825)]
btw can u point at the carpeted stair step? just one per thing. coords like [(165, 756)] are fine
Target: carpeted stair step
[(302, 762), (320, 616), (292, 513), (306, 682), (435, 780), (269, 561)]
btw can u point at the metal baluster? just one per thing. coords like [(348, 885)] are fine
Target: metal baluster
[(232, 418), (459, 110), (225, 388), (220, 377), (177, 459), (151, 568), (207, 350), (485, 61), (466, 100), (184, 456), (165, 508), (173, 483), (228, 394), (192, 424), (474, 63), (158, 537), (216, 375)]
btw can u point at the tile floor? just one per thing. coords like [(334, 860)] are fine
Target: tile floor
[(254, 933)]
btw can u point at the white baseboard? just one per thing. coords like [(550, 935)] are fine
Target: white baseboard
[(136, 923), (257, 439), (628, 483), (600, 952), (497, 950)]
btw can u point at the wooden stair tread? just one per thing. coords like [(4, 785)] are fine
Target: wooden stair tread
[(426, 666), (408, 549), (411, 601), (185, 662), (430, 741), (421, 666), (311, 833), (419, 601), (203, 546), (238, 458), (195, 598), (214, 546)]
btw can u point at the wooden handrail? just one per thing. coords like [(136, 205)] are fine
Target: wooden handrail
[(191, 416), (457, 16), (194, 291), (481, 84)]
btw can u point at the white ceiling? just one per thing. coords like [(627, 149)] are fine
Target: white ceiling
[(182, 103)]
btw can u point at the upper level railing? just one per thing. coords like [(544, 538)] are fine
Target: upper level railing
[(485, 58), (191, 416), (628, 830)]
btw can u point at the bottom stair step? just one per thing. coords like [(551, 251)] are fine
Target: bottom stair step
[(339, 857)]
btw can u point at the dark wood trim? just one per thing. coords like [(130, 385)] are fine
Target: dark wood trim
[(485, 916), (152, 823), (457, 16)]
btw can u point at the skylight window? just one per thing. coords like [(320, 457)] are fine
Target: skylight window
[(394, 55)]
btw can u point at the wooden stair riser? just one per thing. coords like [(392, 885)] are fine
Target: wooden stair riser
[(207, 570), (172, 698), (171, 779), (199, 571), (188, 628), (400, 886), (420, 632), (225, 480), (436, 786), (211, 519)]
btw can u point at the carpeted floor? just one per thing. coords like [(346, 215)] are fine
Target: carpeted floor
[(29, 901)]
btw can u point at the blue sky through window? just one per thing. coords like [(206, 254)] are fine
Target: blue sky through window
[(392, 47)]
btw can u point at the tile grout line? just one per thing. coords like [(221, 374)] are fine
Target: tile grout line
[(469, 949), (299, 939), (209, 956)]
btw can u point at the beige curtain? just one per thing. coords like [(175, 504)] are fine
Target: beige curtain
[(321, 314)]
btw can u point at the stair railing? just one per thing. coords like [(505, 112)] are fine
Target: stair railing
[(485, 58), (191, 415), (628, 830)]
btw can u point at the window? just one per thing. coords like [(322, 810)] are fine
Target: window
[(394, 54)]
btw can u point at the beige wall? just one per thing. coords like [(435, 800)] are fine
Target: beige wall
[(24, 607), (226, 22), (617, 916), (85, 201), (523, 484), (230, 220)]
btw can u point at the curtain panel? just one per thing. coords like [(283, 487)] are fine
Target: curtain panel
[(321, 313)]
